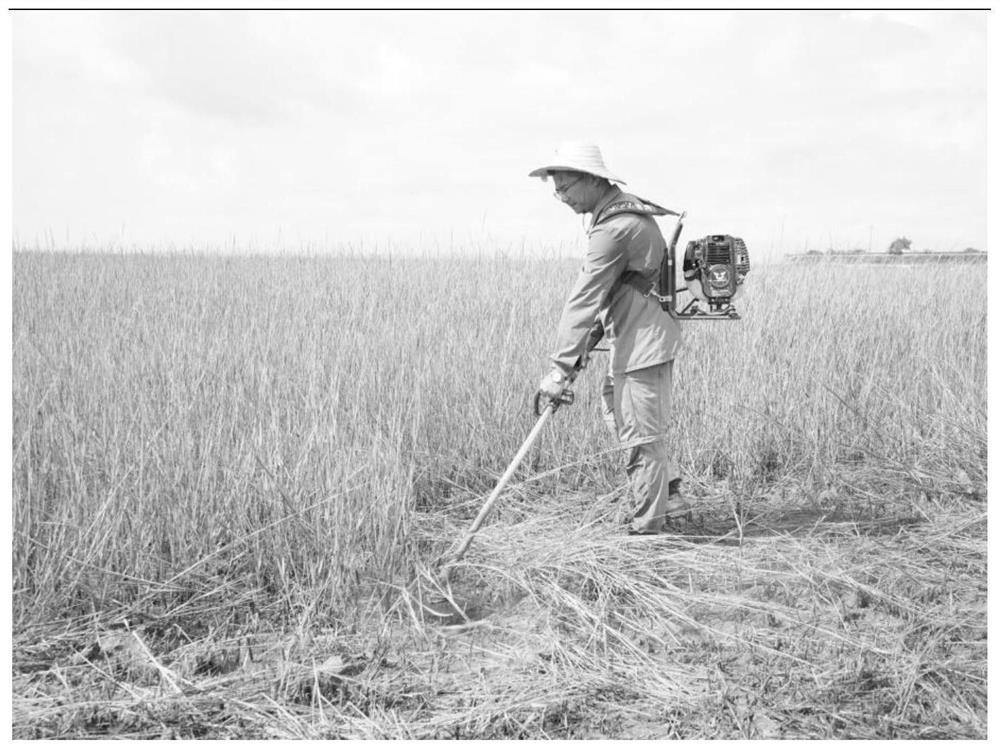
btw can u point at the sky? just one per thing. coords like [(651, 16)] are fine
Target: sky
[(415, 131)]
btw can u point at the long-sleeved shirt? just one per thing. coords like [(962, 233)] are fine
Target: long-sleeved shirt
[(639, 332)]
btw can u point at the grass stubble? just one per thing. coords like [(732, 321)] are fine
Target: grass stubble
[(226, 470)]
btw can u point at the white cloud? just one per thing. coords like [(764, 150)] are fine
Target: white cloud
[(352, 123)]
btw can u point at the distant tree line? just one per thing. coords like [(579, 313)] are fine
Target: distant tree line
[(897, 247)]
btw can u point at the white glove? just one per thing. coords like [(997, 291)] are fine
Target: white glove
[(553, 384)]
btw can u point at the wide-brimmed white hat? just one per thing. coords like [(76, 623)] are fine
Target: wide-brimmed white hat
[(575, 156)]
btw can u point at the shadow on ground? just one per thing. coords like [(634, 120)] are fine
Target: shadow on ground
[(797, 522)]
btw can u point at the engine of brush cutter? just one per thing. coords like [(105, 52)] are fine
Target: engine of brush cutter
[(714, 269)]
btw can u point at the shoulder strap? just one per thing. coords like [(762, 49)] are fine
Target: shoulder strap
[(640, 206), (632, 204)]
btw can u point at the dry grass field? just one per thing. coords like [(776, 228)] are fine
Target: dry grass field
[(226, 470)]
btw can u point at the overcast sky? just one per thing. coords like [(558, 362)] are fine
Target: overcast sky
[(283, 130)]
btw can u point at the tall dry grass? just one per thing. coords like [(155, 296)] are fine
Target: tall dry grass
[(278, 419), (257, 443)]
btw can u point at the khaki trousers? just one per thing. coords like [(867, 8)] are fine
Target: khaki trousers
[(636, 407)]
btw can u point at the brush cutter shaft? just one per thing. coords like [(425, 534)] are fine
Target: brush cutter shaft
[(596, 333), (488, 506)]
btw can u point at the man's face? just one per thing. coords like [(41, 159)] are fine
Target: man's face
[(575, 189)]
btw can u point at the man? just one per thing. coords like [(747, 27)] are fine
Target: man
[(625, 248)]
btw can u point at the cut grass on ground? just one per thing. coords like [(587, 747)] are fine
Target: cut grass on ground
[(830, 621)]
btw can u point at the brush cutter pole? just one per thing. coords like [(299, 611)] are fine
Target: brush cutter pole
[(595, 335), (488, 505)]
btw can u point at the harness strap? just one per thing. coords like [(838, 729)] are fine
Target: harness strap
[(632, 204), (642, 207), (636, 280)]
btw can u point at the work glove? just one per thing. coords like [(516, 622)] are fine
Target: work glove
[(553, 384)]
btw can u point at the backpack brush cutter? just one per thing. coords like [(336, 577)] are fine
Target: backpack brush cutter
[(714, 269)]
